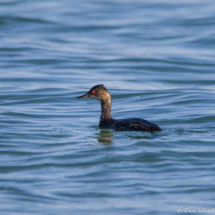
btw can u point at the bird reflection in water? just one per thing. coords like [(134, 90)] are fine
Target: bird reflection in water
[(105, 137)]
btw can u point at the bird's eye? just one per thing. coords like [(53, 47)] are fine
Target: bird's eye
[(93, 92)]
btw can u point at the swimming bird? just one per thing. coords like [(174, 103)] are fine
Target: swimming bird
[(100, 93)]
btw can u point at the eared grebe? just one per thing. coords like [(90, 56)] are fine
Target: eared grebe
[(100, 93)]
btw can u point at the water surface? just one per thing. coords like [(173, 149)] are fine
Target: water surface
[(157, 60)]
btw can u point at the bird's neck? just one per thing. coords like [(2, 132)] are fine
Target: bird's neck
[(105, 118)]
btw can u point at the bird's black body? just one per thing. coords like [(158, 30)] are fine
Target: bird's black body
[(135, 124), (107, 122)]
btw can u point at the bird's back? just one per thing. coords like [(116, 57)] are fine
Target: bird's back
[(134, 124)]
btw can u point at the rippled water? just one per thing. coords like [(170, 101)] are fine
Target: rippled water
[(157, 60)]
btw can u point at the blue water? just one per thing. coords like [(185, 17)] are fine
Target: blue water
[(157, 60)]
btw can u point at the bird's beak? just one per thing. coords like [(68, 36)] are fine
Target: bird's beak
[(84, 96)]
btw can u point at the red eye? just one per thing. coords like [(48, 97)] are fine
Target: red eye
[(93, 92)]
